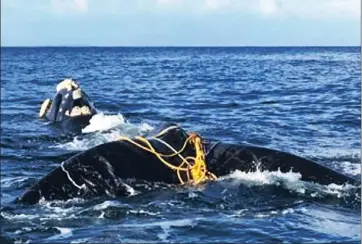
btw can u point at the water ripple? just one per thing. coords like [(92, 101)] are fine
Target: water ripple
[(300, 100)]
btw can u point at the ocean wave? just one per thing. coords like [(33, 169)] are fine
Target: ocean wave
[(292, 182)]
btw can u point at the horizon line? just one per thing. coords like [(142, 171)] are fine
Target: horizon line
[(168, 46)]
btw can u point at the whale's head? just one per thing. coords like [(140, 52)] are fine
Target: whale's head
[(70, 105)]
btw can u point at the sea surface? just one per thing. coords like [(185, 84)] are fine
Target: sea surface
[(303, 100)]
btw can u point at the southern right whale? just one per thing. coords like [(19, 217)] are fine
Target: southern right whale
[(101, 170)]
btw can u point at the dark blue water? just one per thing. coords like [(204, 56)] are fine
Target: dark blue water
[(300, 100)]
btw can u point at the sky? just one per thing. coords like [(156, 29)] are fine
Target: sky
[(180, 22)]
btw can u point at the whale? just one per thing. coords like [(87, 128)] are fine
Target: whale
[(103, 169), (225, 158), (71, 107)]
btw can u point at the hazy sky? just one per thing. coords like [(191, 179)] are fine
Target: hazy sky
[(180, 22)]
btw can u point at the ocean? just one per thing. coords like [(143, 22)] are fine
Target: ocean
[(302, 100)]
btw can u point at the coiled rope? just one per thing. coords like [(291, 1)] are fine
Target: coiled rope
[(193, 167)]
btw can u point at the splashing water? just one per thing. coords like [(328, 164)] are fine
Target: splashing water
[(102, 122), (351, 168), (105, 128)]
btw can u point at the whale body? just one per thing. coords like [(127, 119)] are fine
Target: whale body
[(101, 170)]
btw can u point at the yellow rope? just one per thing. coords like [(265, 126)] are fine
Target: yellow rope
[(196, 171)]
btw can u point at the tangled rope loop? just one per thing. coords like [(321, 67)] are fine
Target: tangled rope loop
[(193, 167)]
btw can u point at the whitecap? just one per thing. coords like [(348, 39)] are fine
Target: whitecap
[(291, 181), (106, 204), (104, 128), (102, 122), (64, 233), (351, 168)]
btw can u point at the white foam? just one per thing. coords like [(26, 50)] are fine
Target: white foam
[(51, 210), (141, 211), (106, 128), (81, 240), (130, 190), (64, 233), (192, 195), (351, 168), (54, 203), (238, 213), (109, 203), (101, 216), (18, 216), (102, 122), (59, 209), (7, 182), (262, 215), (354, 153), (163, 236), (21, 242), (263, 177), (288, 211), (165, 224), (291, 181)]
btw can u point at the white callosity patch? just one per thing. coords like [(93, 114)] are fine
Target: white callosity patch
[(45, 107), (68, 84), (263, 177), (77, 94), (85, 110), (76, 111)]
